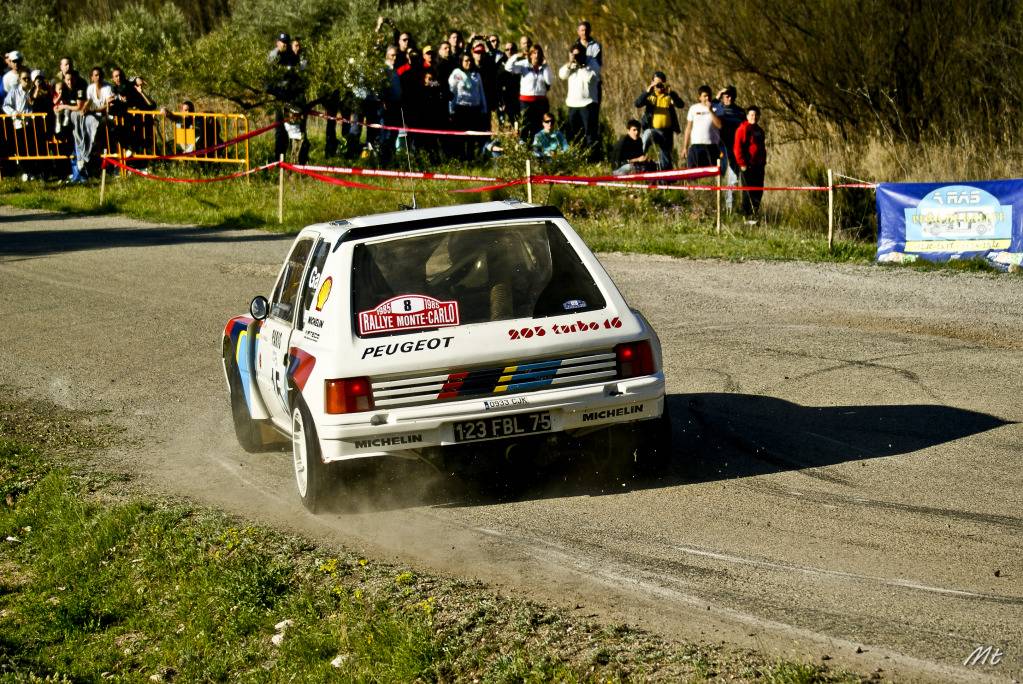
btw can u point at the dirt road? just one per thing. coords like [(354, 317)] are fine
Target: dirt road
[(847, 443)]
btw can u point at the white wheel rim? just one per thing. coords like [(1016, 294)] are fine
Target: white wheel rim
[(299, 453)]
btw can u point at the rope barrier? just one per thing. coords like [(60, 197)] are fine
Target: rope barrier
[(110, 161), (406, 129), (319, 173), (388, 173)]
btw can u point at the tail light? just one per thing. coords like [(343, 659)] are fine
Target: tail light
[(348, 395), (634, 359)]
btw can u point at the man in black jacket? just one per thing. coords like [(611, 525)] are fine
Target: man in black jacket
[(628, 155), (660, 118)]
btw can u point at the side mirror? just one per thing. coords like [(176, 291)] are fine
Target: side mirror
[(259, 307)]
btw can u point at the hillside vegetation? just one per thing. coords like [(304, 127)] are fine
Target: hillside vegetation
[(874, 89)]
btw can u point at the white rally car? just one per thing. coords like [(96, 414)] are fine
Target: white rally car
[(403, 334)]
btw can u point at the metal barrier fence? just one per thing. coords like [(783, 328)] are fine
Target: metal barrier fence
[(32, 137), (139, 134), (154, 135)]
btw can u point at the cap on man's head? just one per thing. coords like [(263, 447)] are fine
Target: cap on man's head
[(730, 90), (36, 73), (284, 37), (14, 56), (478, 48), (660, 75)]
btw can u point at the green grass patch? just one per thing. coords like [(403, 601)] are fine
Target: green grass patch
[(95, 588), (658, 222)]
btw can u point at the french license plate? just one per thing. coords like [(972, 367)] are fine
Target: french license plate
[(502, 426)]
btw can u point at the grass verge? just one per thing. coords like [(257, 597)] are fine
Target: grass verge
[(94, 587), (663, 222)]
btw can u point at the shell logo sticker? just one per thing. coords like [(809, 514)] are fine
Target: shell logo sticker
[(321, 296), (408, 312)]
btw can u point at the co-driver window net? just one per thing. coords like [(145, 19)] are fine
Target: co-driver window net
[(494, 273)]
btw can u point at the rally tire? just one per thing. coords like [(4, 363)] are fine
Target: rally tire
[(312, 476), (248, 431)]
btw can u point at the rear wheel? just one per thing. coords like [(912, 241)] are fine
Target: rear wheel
[(248, 431), (312, 475)]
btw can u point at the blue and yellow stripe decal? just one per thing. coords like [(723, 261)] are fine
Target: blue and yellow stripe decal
[(519, 378)]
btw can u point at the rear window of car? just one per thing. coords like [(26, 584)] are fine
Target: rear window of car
[(492, 273)]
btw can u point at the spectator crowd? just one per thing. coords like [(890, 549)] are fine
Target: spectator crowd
[(455, 84), (75, 111)]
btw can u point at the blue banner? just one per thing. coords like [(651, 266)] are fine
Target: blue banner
[(940, 222)]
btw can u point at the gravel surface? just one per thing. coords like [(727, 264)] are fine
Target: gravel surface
[(847, 444)]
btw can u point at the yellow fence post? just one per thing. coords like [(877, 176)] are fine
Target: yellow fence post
[(102, 184)]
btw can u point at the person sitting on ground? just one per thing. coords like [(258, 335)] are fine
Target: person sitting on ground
[(549, 142), (628, 155)]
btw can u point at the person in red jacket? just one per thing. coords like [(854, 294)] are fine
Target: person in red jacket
[(751, 155)]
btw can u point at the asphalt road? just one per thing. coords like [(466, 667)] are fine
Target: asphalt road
[(847, 467)]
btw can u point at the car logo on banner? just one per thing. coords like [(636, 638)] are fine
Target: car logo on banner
[(408, 312)]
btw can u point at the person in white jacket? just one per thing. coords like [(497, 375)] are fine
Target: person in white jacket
[(583, 78), (535, 80)]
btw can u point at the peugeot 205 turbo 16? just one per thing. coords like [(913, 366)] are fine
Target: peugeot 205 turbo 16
[(427, 331)]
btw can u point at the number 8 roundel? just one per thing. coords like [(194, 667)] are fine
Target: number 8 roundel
[(408, 312)]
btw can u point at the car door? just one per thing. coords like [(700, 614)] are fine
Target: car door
[(275, 335)]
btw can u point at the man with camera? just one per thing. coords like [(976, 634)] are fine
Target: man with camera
[(583, 81), (660, 118)]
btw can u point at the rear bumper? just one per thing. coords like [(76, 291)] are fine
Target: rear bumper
[(574, 409)]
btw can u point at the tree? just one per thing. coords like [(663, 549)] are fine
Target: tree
[(907, 67)]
